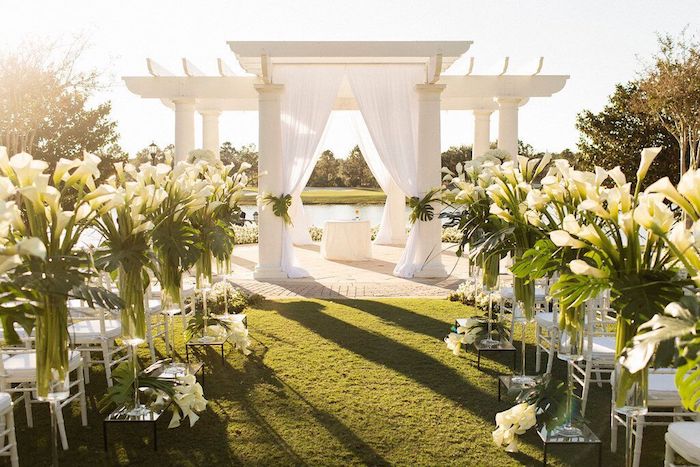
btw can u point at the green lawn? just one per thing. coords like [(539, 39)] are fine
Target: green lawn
[(340, 196), (334, 383)]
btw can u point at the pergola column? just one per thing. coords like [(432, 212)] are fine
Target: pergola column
[(184, 128), (210, 130), (396, 205), (270, 227), (482, 131), (508, 124), (429, 251)]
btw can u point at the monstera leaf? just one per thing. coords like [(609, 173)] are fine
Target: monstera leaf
[(280, 206), (421, 209)]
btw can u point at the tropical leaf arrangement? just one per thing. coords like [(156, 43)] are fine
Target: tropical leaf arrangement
[(421, 208), (280, 206), (183, 395)]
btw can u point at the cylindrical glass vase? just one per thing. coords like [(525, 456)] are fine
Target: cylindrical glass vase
[(133, 315), (52, 343)]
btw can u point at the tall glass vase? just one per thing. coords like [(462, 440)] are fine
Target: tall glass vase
[(491, 270), (631, 392), (571, 346), (52, 367), (522, 379), (52, 344), (131, 291)]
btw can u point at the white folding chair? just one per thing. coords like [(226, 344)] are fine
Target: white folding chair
[(18, 376), (682, 438), (599, 349), (96, 331), (663, 407), (507, 302), (8, 440)]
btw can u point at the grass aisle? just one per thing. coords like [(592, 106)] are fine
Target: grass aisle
[(334, 383)]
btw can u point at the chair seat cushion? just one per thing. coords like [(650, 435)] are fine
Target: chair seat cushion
[(545, 319), (507, 293), (684, 437), (5, 401), (662, 390), (603, 347), (22, 367), (89, 330)]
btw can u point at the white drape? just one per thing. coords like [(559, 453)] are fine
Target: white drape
[(307, 101), (392, 229), (388, 101)]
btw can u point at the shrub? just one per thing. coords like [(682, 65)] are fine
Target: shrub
[(249, 234)]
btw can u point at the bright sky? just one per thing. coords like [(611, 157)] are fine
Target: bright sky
[(597, 42)]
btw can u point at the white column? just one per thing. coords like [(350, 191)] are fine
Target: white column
[(210, 130), (270, 227), (184, 128), (508, 124), (429, 251), (482, 131)]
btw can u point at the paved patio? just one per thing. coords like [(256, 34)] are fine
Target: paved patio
[(347, 279)]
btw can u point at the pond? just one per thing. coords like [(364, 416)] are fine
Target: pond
[(319, 213)]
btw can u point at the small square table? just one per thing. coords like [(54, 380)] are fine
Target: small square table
[(121, 415), (171, 371), (507, 382), (501, 346), (587, 437), (205, 341)]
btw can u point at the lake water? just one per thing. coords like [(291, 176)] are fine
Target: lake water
[(319, 213)]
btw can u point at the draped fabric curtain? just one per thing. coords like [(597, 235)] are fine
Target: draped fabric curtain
[(300, 228), (388, 102), (392, 229), (307, 101)]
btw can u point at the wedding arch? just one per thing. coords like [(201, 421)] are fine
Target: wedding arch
[(399, 89)]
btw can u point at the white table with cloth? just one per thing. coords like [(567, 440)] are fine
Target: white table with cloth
[(346, 240)]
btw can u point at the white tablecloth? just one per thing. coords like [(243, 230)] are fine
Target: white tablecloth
[(346, 240)]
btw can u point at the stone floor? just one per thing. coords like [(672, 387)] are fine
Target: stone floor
[(347, 279)]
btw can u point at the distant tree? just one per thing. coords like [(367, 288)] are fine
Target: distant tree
[(44, 106), (247, 153), (327, 171), (669, 91), (455, 154), (355, 172), (617, 134)]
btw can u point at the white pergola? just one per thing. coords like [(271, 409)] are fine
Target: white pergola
[(210, 95)]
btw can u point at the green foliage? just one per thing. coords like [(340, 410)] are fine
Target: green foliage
[(610, 136), (280, 206), (221, 298), (44, 107), (122, 391), (542, 260), (354, 170), (549, 396), (248, 153), (421, 209)]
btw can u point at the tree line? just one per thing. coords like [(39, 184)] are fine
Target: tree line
[(45, 110)]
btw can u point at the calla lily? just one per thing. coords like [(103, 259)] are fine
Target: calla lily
[(652, 214), (648, 156), (617, 176), (562, 238), (689, 187), (570, 224), (582, 268), (26, 168), (31, 246), (666, 188)]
